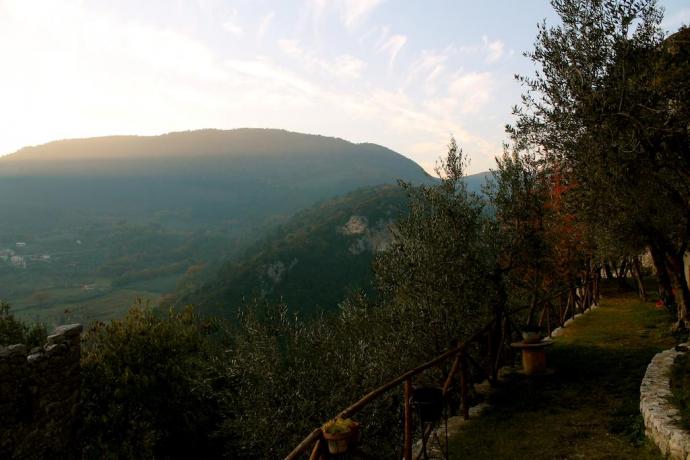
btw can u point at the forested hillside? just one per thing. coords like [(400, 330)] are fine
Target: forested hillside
[(310, 263), (88, 225), (314, 260)]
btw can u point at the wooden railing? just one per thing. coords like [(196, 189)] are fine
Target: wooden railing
[(493, 339), (460, 364)]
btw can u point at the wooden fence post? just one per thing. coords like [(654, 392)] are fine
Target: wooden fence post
[(464, 382), (451, 375), (496, 360), (316, 452), (548, 318), (407, 394)]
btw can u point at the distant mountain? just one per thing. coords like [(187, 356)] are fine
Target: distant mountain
[(195, 177), (86, 225), (477, 182), (313, 261)]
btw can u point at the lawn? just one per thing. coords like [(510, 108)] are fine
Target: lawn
[(589, 406)]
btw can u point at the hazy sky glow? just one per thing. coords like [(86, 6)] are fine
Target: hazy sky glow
[(404, 74)]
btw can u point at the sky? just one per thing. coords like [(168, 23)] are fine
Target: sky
[(406, 74)]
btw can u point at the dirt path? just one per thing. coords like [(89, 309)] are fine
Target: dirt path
[(588, 408)]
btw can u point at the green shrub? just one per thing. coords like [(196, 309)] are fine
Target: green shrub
[(148, 387), (13, 331)]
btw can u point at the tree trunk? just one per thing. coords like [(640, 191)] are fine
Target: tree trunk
[(665, 288), (637, 272), (596, 281), (681, 294), (622, 275), (622, 268), (608, 271)]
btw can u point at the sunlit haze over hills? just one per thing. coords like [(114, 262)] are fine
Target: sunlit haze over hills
[(403, 74)]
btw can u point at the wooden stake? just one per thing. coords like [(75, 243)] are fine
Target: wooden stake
[(548, 318), (316, 451), (451, 374), (464, 382), (407, 393)]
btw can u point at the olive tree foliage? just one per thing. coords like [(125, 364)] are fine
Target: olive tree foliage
[(14, 331), (291, 376), (437, 270), (542, 249), (150, 387), (519, 194), (601, 107)]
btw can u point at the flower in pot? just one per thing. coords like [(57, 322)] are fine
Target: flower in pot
[(340, 434), (531, 334)]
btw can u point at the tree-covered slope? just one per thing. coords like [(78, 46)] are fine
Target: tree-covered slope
[(312, 261)]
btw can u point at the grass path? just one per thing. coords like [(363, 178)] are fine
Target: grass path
[(589, 407)]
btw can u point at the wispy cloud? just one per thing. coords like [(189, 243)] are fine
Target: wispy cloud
[(355, 11), (392, 46), (491, 50), (427, 69), (352, 13), (466, 93), (349, 66), (312, 14), (290, 47), (342, 66), (265, 24), (232, 25), (494, 49)]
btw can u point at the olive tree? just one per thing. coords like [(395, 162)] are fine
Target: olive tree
[(602, 108)]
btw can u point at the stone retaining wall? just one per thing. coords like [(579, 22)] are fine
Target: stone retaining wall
[(39, 397), (559, 330), (661, 418)]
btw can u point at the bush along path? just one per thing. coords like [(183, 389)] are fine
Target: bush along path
[(588, 406)]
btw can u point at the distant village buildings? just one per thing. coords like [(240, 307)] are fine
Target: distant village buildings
[(12, 258), (18, 261)]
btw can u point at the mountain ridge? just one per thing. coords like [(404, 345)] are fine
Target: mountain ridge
[(241, 142)]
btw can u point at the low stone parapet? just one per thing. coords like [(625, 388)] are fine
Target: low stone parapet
[(662, 419), (40, 397)]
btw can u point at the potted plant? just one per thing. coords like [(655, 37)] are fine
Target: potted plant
[(340, 434), (531, 334)]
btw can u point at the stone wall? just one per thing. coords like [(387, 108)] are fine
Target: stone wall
[(39, 397), (661, 418)]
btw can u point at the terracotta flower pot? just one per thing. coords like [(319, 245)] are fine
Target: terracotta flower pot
[(531, 336), (338, 443)]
